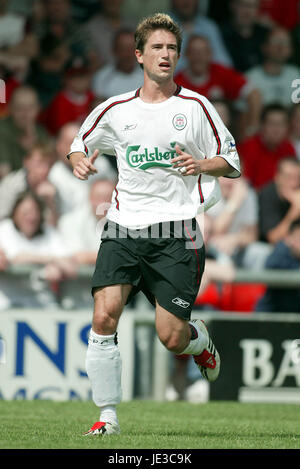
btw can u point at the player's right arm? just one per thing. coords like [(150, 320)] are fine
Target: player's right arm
[(83, 166), (94, 137)]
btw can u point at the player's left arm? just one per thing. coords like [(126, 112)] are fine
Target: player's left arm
[(216, 166), (216, 144)]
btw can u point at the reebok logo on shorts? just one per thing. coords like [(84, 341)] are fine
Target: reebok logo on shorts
[(180, 302)]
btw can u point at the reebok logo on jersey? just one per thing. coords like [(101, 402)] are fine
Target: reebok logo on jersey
[(147, 158), (129, 127), (180, 302)]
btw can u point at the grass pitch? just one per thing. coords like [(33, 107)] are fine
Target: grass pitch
[(151, 425)]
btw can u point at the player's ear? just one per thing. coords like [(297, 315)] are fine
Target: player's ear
[(139, 56)]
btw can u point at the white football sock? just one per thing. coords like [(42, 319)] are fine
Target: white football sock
[(108, 414), (197, 343), (103, 366)]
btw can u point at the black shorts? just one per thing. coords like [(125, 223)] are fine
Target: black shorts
[(164, 261)]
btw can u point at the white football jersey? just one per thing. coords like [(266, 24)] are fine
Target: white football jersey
[(143, 136)]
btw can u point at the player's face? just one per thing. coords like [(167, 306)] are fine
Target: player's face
[(159, 57)]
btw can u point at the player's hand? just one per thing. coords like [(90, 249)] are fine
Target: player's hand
[(186, 163), (85, 167)]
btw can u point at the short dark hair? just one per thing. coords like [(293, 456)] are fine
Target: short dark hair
[(29, 194), (120, 32), (288, 159), (152, 23), (45, 147), (273, 107)]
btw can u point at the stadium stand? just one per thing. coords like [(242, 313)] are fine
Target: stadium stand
[(44, 48), (66, 41)]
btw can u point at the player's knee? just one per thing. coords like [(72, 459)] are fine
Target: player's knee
[(105, 321), (173, 341)]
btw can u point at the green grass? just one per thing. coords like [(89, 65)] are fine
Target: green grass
[(151, 425)]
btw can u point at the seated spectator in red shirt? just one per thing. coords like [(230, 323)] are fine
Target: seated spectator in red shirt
[(73, 102), (215, 81), (261, 153)]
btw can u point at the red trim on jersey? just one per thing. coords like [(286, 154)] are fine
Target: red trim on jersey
[(209, 119), (116, 198), (196, 253), (178, 89), (107, 109), (200, 189)]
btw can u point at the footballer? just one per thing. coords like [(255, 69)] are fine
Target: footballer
[(171, 146)]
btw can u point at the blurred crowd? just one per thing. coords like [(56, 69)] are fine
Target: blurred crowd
[(61, 58)]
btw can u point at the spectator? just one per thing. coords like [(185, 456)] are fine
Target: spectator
[(20, 130), (124, 74), (57, 22), (279, 206), (17, 47), (243, 35), (261, 153), (234, 219), (279, 202), (295, 128), (273, 78), (8, 85), (278, 13), (216, 81), (102, 28), (223, 108), (33, 176), (133, 10), (186, 13), (83, 10), (73, 103), (11, 26), (61, 175), (17, 44), (295, 33), (84, 242), (46, 73), (25, 238), (286, 256)]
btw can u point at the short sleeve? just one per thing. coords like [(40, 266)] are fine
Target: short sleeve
[(215, 138), (95, 133)]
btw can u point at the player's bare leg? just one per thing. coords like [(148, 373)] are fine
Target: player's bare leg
[(189, 338), (173, 332), (103, 361)]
